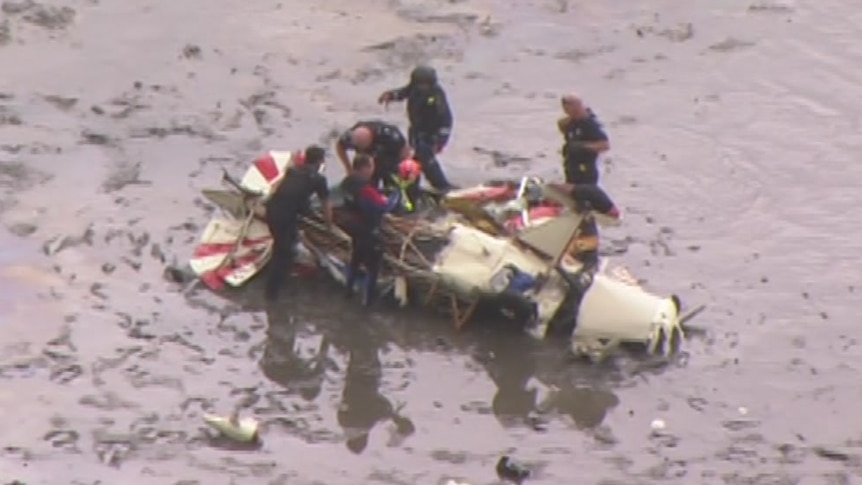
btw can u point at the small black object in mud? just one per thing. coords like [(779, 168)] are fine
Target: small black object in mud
[(511, 471)]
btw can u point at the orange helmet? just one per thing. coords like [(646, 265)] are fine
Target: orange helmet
[(409, 169)]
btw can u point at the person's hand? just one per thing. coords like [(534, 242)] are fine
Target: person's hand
[(385, 98)]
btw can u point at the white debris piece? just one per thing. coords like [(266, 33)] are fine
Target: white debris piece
[(658, 425)]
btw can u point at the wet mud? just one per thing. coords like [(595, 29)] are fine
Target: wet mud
[(734, 131)]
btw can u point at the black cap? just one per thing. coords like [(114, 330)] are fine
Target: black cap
[(314, 154)]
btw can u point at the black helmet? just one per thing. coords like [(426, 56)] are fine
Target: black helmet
[(423, 75)]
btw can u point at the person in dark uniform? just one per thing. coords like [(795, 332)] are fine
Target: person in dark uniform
[(590, 197), (366, 205), (430, 120), (584, 138), (382, 141), (291, 199)]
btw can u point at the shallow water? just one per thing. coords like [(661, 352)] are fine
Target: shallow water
[(734, 128)]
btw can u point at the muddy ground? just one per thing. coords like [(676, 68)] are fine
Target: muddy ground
[(734, 128)]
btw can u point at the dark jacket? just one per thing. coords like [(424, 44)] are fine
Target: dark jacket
[(365, 202), (588, 129), (428, 111), (293, 196), (387, 145)]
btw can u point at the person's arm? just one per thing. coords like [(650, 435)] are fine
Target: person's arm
[(372, 201), (341, 147), (444, 118), (399, 143), (399, 94), (597, 140), (563, 124)]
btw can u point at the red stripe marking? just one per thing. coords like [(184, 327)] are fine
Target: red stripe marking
[(215, 280), (216, 249), (536, 214), (267, 167), (212, 281), (545, 211)]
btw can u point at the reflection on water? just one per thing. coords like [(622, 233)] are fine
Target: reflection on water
[(304, 371), (282, 361), (521, 367), (363, 406)]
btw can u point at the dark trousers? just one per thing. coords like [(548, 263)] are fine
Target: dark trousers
[(425, 146), (384, 169), (285, 233), (581, 173), (366, 251)]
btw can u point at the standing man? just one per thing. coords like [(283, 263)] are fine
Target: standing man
[(430, 120), (367, 206), (584, 139), (382, 141), (291, 199)]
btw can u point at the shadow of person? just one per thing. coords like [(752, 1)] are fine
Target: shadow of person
[(362, 405), (520, 367), (283, 361), (510, 364)]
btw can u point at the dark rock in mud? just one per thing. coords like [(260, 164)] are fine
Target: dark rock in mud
[(405, 52), (45, 16), (768, 7), (17, 8), (18, 176), (680, 33), (174, 130), (578, 55), (9, 117), (730, 44), (122, 177), (5, 32), (192, 51), (426, 16), (96, 139), (61, 102), (501, 159), (59, 243), (22, 229)]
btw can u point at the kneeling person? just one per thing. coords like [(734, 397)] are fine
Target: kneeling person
[(367, 206)]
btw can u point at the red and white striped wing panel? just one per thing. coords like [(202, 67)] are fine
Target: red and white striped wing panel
[(218, 240), (266, 171)]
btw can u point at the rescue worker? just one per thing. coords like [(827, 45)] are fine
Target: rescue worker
[(430, 120), (382, 141), (290, 200), (589, 197), (584, 139), (406, 182), (367, 206)]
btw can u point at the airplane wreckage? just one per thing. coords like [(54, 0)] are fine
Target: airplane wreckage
[(512, 246)]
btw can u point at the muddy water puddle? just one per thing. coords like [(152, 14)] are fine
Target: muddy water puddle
[(734, 131)]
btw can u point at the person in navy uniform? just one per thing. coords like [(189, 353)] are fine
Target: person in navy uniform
[(290, 200), (430, 120), (366, 206), (584, 139), (382, 141)]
